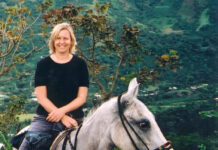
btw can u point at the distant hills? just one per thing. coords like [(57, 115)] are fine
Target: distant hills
[(188, 26)]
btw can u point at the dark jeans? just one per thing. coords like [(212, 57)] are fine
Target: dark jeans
[(41, 134)]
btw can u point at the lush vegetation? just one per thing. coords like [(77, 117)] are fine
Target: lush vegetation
[(170, 46)]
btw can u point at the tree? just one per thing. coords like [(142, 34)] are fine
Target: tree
[(108, 51), (15, 29), (16, 45)]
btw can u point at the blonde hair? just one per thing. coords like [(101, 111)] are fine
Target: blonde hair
[(54, 34)]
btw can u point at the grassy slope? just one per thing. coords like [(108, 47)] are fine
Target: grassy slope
[(24, 117)]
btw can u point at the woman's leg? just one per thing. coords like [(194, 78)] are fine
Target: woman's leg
[(39, 133)]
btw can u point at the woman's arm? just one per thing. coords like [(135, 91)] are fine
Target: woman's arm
[(41, 94), (73, 105), (78, 101)]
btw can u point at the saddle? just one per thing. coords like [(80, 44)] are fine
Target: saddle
[(17, 140), (66, 134), (63, 135)]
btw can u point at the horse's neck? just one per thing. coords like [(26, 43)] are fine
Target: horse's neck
[(95, 130), (101, 118), (103, 114)]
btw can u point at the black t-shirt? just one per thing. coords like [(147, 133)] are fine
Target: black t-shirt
[(62, 81)]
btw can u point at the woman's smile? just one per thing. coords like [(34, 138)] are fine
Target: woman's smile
[(63, 42)]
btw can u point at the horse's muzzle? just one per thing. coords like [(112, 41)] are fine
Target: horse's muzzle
[(166, 146)]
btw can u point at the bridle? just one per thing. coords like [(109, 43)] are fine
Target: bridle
[(166, 146)]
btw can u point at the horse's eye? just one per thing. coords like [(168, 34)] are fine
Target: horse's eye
[(125, 104), (144, 124)]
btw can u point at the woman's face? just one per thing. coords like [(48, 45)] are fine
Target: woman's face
[(63, 42)]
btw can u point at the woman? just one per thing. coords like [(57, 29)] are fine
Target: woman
[(61, 87)]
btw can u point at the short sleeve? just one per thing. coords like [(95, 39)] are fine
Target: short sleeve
[(84, 74), (40, 75)]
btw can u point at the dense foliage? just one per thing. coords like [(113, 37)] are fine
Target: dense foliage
[(163, 35)]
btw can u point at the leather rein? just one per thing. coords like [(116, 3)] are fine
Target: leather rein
[(166, 146), (72, 147)]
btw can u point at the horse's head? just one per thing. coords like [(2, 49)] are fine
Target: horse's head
[(142, 131)]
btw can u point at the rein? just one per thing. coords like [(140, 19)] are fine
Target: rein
[(68, 138), (123, 119)]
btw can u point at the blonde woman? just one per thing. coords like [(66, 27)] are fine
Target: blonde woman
[(61, 86)]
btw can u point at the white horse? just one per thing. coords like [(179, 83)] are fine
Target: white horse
[(123, 122)]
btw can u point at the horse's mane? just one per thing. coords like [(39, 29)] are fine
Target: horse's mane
[(93, 109)]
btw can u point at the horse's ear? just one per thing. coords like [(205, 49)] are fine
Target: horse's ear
[(133, 88)]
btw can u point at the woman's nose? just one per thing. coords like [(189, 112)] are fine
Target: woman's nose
[(61, 41)]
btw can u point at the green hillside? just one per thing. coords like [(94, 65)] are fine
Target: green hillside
[(184, 99)]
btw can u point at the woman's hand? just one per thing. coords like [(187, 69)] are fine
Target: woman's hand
[(69, 122), (56, 115)]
